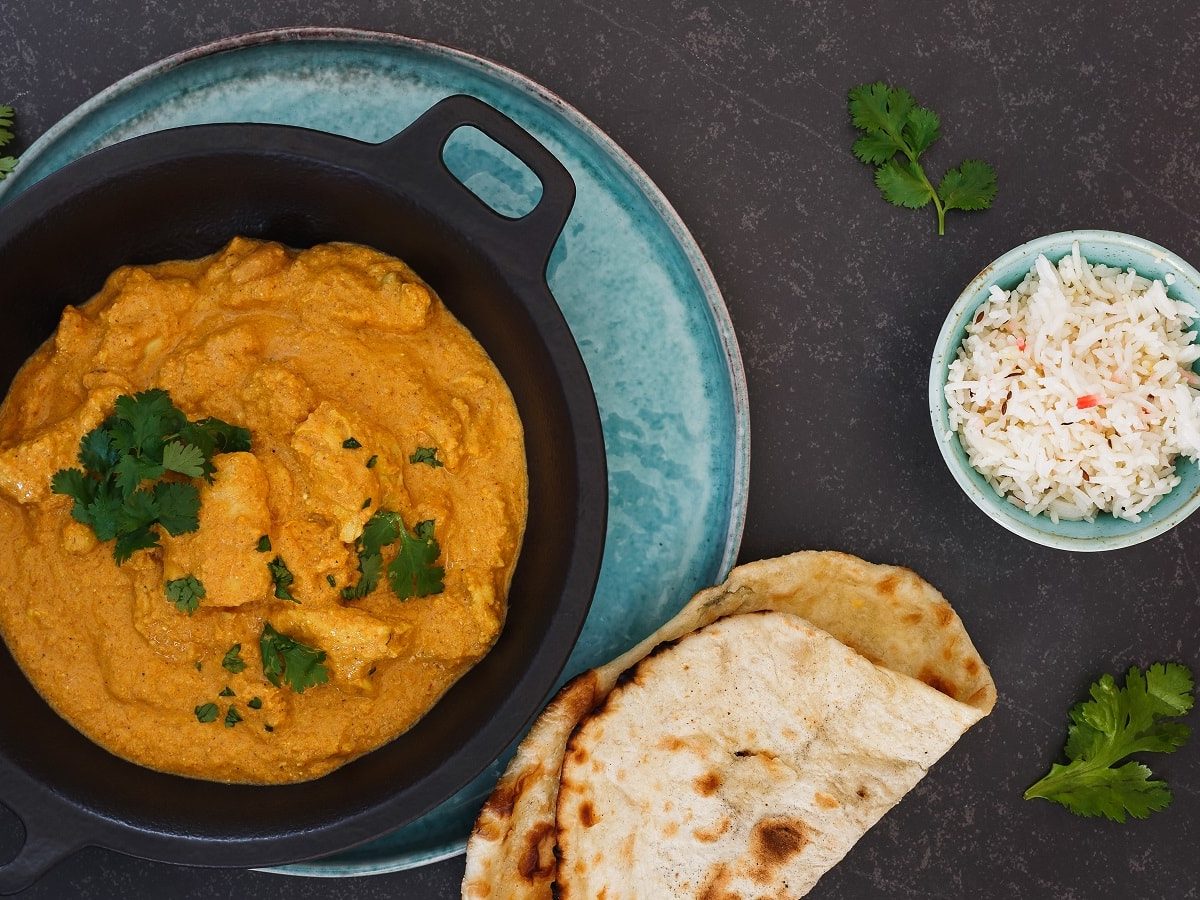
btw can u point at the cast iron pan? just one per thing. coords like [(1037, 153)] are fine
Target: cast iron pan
[(184, 193)]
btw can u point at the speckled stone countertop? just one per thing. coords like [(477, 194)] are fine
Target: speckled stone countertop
[(1091, 115)]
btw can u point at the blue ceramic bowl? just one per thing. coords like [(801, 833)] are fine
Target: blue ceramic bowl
[(1105, 533)]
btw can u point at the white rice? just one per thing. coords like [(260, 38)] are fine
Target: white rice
[(1036, 358)]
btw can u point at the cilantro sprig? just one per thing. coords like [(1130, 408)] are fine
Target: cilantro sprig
[(145, 439), (7, 163), (896, 131), (286, 659), (185, 593), (1117, 722), (412, 572)]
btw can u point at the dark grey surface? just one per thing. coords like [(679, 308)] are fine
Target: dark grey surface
[(1091, 114)]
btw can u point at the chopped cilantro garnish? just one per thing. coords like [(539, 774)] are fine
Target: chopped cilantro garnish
[(426, 455), (206, 712), (268, 728), (232, 717), (233, 661), (351, 443), (366, 503), (286, 659), (413, 573), (199, 666), (146, 437), (283, 578), (186, 593), (332, 581), (264, 544), (371, 462), (255, 703), (227, 692)]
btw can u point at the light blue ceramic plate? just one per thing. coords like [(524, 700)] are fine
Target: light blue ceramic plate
[(638, 296), (1107, 532)]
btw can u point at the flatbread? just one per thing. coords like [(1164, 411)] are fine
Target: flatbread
[(887, 614), (743, 761)]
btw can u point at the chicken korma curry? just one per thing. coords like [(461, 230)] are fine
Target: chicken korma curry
[(258, 511)]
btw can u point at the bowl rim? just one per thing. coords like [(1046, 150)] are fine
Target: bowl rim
[(993, 504)]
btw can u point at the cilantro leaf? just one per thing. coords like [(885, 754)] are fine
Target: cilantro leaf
[(232, 717), (186, 459), (264, 544), (103, 512), (902, 183), (1115, 723), (413, 573), (351, 443), (971, 186), (130, 542), (130, 471), (255, 703), (75, 484), (383, 528), (178, 507), (426, 455), (7, 163), (227, 691), (232, 661), (97, 453), (371, 462), (206, 712), (283, 578), (286, 659), (138, 511), (186, 593), (896, 131)]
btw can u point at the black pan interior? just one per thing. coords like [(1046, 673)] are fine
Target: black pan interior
[(189, 207)]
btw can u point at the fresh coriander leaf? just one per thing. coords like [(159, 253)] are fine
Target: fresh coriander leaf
[(138, 511), (7, 164), (902, 183), (6, 123), (426, 455), (286, 659), (332, 581), (186, 593), (97, 453), (896, 131), (130, 542), (178, 507), (369, 568), (268, 728), (232, 717), (186, 459), (151, 415), (283, 578), (264, 544), (1115, 723), (207, 712), (366, 503), (103, 512), (351, 443), (227, 691), (971, 186), (413, 573), (255, 703), (381, 529), (199, 666), (225, 438), (922, 129), (76, 485), (232, 661), (130, 471), (371, 462)]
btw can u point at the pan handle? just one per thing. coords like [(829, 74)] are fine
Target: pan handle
[(51, 834), (531, 237)]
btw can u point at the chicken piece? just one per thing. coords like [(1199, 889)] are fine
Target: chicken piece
[(210, 375), (222, 553), (338, 479), (276, 399), (467, 620), (313, 552), (362, 293), (354, 640), (26, 469)]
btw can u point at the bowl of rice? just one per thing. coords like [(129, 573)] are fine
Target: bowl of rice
[(1063, 390)]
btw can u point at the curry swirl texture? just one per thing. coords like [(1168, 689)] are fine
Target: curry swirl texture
[(333, 583)]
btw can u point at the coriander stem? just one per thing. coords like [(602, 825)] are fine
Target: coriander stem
[(937, 201)]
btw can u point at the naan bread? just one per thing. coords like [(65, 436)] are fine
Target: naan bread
[(743, 761), (888, 615)]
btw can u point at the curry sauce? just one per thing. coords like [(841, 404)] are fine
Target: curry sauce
[(361, 392)]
